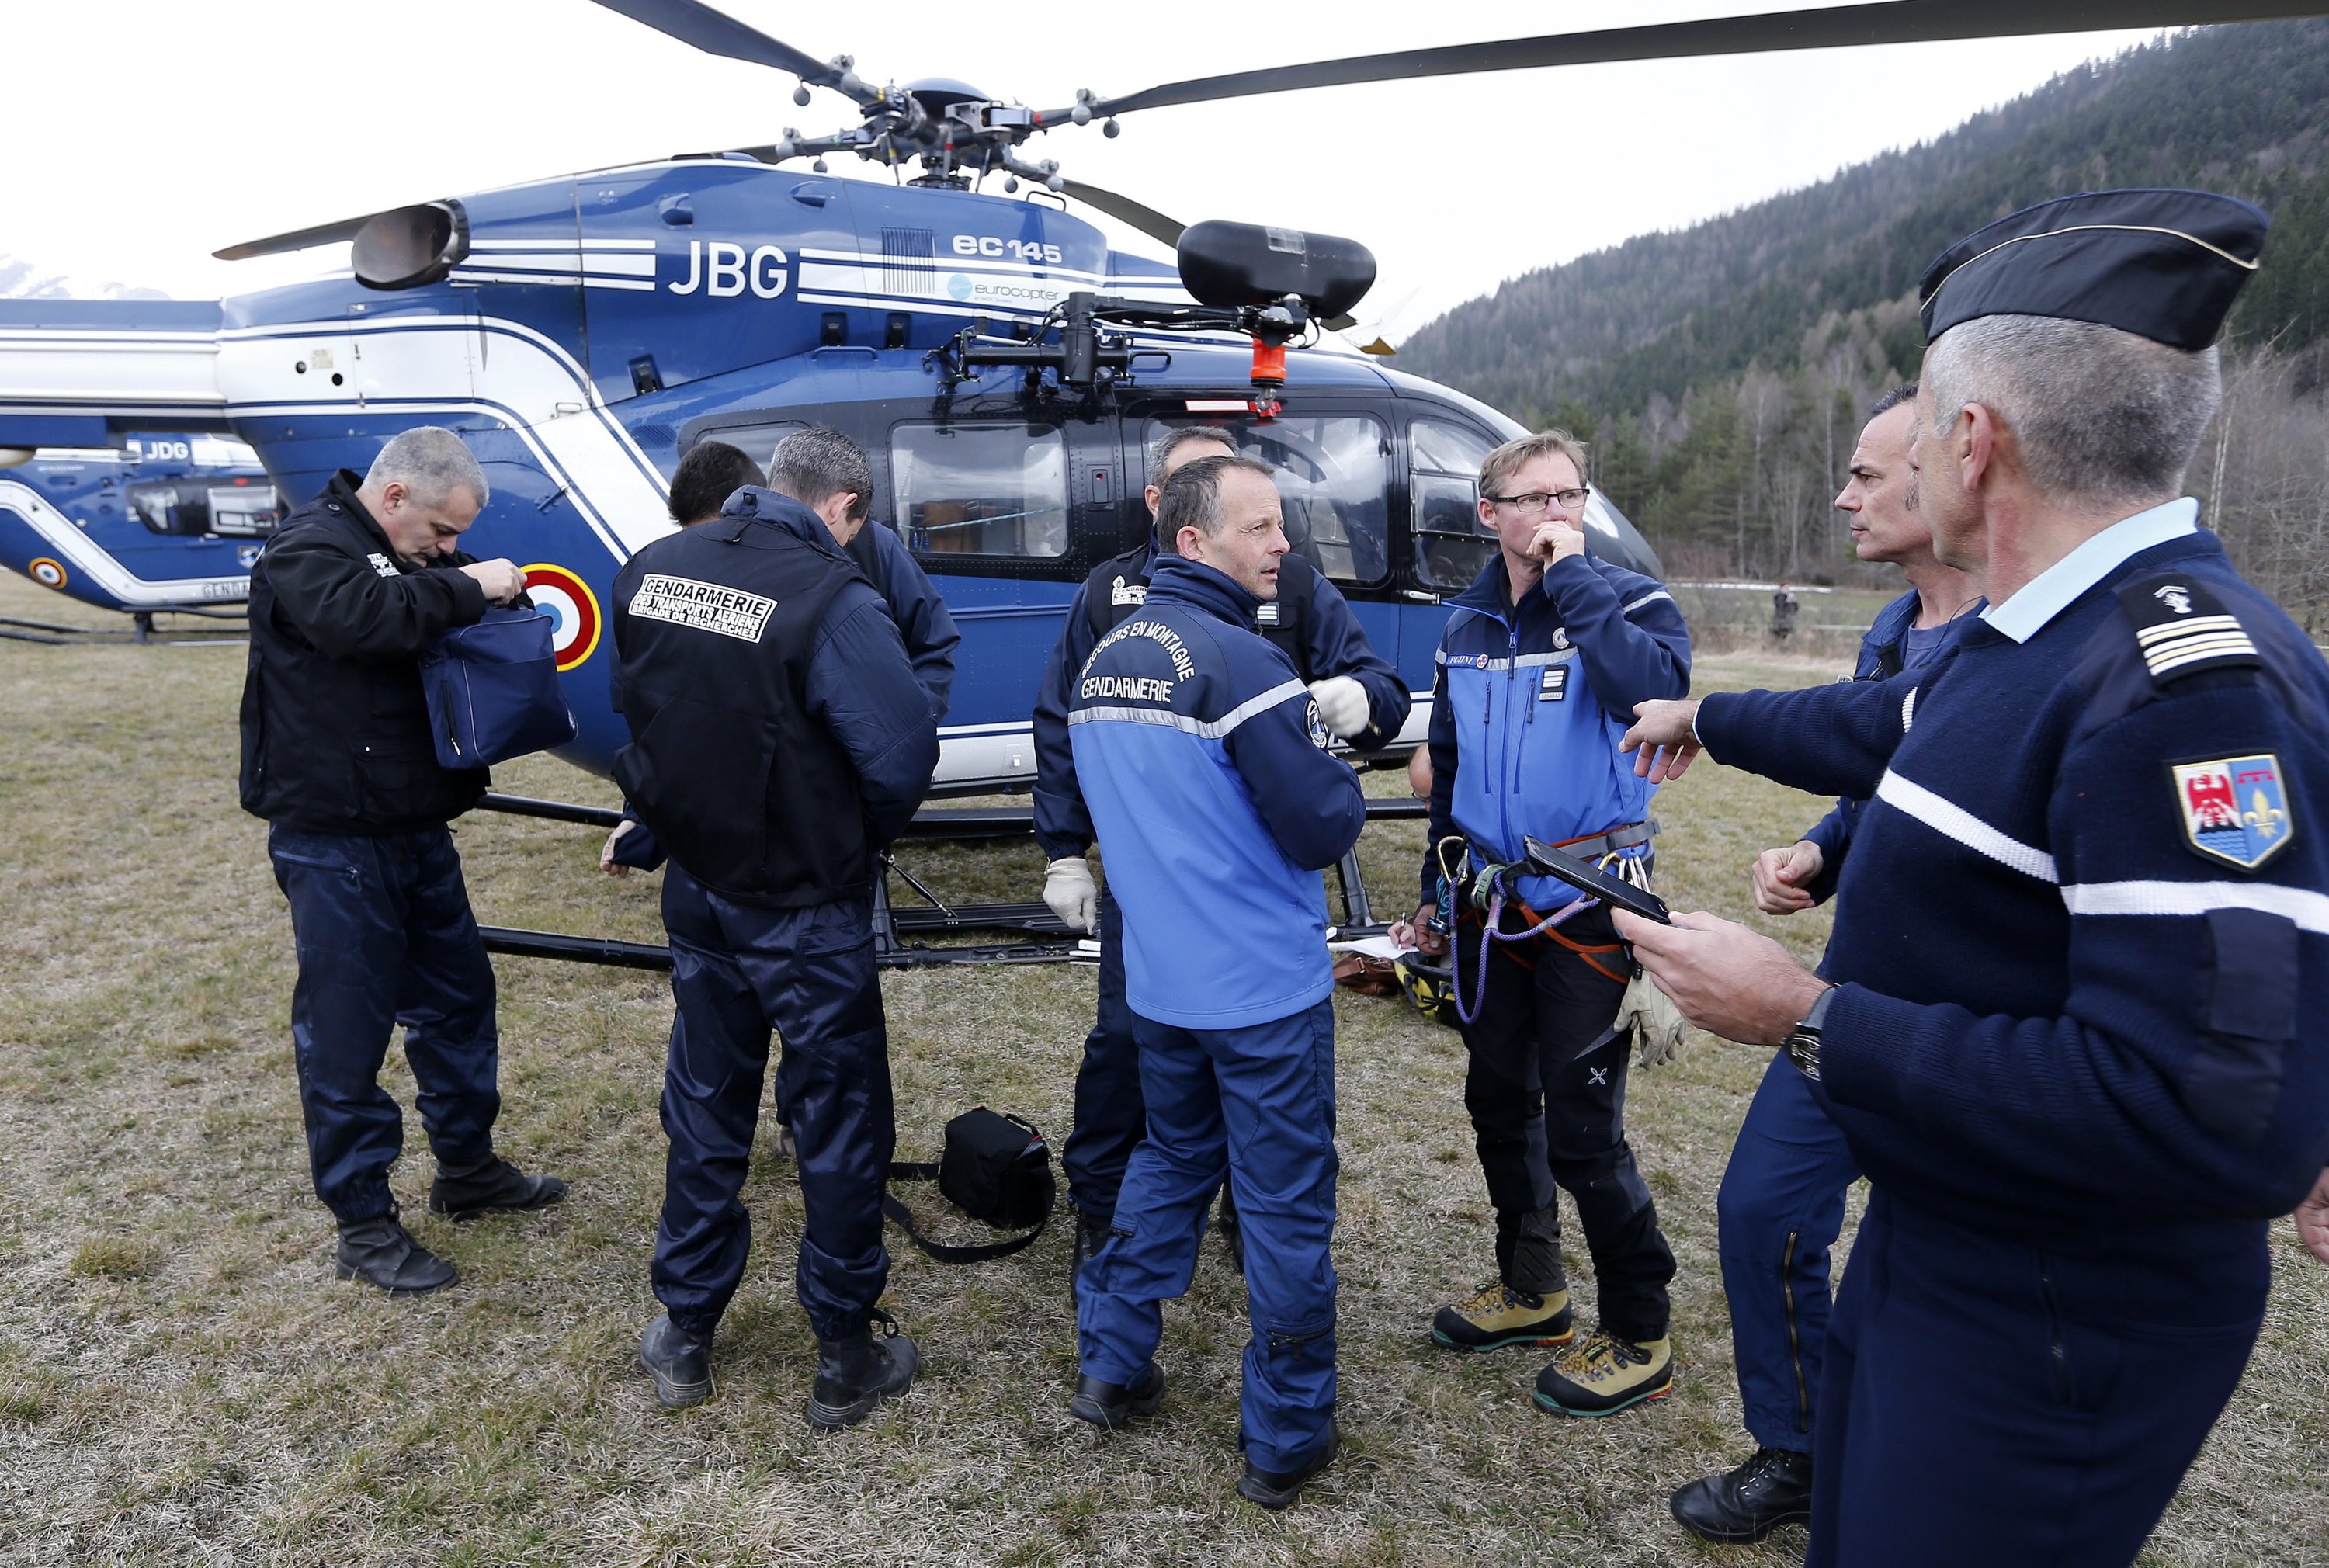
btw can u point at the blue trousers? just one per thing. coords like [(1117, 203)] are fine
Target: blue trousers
[(738, 972), (385, 937), (1109, 1114), (1257, 1102), (1780, 1209), (1991, 1402)]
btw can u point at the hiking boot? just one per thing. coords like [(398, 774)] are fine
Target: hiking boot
[(1275, 1489), (1602, 1375), (679, 1362), (383, 1253), (1109, 1405), (496, 1187), (855, 1374), (1091, 1235), (1499, 1315), (1772, 1488)]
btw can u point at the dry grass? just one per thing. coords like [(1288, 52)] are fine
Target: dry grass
[(180, 1379)]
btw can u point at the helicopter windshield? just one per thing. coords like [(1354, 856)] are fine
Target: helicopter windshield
[(1334, 476), (981, 490)]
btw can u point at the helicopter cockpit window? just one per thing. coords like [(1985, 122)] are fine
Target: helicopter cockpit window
[(758, 442), (980, 489), (1451, 544), (1333, 479)]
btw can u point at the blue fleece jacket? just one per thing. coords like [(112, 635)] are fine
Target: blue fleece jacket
[(1529, 701), (1204, 765), (1331, 642), (2064, 1014)]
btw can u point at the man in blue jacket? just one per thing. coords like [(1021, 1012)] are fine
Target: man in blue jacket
[(1544, 655), (1781, 1205), (2084, 1057), (779, 741), (1360, 697), (1204, 762)]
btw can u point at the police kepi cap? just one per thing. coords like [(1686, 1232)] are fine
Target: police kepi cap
[(2165, 265)]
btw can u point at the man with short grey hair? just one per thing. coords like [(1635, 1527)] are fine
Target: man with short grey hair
[(337, 756), (2086, 1063)]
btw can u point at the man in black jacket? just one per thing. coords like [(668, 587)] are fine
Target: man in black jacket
[(337, 756), (779, 741)]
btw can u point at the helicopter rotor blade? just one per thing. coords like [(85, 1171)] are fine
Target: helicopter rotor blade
[(297, 240), (717, 32), (1125, 209), (1832, 27)]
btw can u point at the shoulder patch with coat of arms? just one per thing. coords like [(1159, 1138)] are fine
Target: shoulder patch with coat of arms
[(1318, 736), (2235, 809)]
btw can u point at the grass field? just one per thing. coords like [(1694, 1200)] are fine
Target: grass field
[(183, 1381)]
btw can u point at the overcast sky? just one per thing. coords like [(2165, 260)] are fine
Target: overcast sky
[(138, 147)]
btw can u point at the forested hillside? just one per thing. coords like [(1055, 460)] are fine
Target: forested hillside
[(1720, 370)]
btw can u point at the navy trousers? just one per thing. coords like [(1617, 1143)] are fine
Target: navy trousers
[(738, 972), (386, 937), (1547, 1112), (1990, 1403), (1258, 1104), (1109, 1115), (1780, 1209)]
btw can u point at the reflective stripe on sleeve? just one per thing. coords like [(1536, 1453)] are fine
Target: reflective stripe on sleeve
[(2309, 910), (1954, 822)]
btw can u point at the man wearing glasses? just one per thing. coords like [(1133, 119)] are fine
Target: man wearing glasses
[(1542, 660)]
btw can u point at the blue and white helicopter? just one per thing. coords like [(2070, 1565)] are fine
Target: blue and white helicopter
[(160, 522), (1004, 367)]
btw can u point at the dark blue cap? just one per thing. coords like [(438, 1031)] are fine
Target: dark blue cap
[(2165, 265)]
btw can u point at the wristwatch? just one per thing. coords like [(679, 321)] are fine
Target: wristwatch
[(1802, 1042)]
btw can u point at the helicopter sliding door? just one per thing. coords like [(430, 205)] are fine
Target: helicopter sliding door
[(1335, 461)]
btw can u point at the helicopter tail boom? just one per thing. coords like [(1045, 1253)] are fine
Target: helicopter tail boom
[(75, 372)]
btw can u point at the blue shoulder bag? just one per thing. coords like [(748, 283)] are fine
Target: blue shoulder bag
[(493, 689)]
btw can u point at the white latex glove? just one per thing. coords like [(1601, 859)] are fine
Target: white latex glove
[(1657, 1024), (1342, 704), (1073, 896)]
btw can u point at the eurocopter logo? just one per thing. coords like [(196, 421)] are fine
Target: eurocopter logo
[(721, 270)]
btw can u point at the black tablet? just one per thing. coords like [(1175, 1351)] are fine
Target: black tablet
[(1588, 877)]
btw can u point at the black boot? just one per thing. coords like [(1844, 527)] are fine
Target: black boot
[(496, 1187), (1275, 1489), (1091, 1235), (1109, 1405), (679, 1362), (380, 1251), (1232, 1233), (855, 1374), (1772, 1488)]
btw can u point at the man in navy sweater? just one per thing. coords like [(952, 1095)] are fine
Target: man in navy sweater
[(1781, 1205), (1203, 759), (2072, 1021)]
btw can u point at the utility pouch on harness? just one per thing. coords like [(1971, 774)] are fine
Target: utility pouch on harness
[(995, 1167), (493, 689)]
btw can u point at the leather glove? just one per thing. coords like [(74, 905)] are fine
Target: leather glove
[(1657, 1024), (1073, 896), (1342, 704)]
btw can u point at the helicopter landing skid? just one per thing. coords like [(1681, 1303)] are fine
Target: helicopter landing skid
[(1043, 938)]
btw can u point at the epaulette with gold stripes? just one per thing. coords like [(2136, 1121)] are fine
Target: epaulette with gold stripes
[(2184, 629)]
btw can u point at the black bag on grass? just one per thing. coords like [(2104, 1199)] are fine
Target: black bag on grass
[(995, 1167)]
